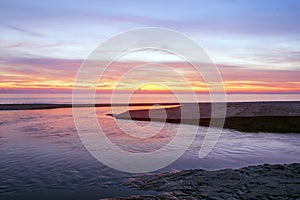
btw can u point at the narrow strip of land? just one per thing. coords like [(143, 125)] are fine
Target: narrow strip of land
[(281, 117), (39, 106)]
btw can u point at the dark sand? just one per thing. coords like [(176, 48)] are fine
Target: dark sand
[(280, 117), (254, 182)]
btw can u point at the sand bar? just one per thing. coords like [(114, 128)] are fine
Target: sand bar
[(281, 117)]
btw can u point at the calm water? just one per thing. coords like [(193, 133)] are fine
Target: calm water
[(144, 98), (41, 155)]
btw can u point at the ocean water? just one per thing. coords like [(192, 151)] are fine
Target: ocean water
[(6, 98), (42, 157)]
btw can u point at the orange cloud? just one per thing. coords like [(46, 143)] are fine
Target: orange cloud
[(60, 75)]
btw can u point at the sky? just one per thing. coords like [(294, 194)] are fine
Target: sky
[(254, 44)]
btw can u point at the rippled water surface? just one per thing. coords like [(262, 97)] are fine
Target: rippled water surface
[(41, 155)]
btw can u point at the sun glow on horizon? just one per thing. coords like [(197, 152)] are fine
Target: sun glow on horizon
[(153, 88)]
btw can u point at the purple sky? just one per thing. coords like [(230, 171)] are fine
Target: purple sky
[(255, 43)]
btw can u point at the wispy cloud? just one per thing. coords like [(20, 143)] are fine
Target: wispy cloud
[(61, 73), (19, 29)]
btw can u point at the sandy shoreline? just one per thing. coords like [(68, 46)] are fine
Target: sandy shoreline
[(280, 117), (254, 182)]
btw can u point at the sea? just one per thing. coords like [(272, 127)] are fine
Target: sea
[(43, 157), (17, 98)]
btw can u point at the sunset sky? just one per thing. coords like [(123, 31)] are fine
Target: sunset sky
[(255, 44)]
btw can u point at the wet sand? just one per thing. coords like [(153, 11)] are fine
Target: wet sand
[(254, 182), (278, 117)]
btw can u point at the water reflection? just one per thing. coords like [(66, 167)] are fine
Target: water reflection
[(41, 154)]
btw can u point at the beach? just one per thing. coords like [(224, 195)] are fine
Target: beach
[(281, 117), (253, 182), (42, 156), (180, 100)]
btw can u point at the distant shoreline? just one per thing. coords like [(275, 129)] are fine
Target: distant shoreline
[(41, 106)]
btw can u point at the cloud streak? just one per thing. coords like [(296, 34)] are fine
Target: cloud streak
[(45, 73), (21, 30)]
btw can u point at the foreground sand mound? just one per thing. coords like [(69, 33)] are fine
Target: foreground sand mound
[(254, 182)]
